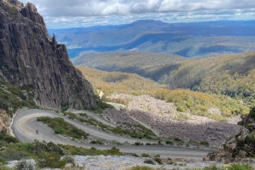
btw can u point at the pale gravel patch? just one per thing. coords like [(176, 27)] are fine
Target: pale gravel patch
[(164, 118), (127, 162)]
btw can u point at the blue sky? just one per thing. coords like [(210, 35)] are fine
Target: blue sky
[(83, 13)]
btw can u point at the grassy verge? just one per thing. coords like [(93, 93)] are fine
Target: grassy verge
[(136, 131), (12, 97), (141, 168), (45, 154), (61, 127), (229, 167)]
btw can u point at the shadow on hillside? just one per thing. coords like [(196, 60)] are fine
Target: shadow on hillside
[(198, 129)]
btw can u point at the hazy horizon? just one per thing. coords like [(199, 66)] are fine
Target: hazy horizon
[(67, 14)]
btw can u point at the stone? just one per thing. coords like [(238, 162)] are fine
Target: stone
[(231, 143), (5, 120), (242, 154)]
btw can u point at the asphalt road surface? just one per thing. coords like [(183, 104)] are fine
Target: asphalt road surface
[(25, 125)]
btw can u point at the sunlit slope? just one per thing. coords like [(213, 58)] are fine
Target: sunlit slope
[(231, 75), (197, 103)]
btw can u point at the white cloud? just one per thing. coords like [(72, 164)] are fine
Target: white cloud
[(91, 12)]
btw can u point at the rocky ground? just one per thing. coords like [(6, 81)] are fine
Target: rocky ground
[(127, 162), (241, 146), (117, 117), (5, 120), (163, 118)]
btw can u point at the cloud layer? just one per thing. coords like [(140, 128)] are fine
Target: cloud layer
[(174, 10)]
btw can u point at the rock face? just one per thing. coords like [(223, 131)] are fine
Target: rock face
[(28, 56), (239, 146), (5, 120)]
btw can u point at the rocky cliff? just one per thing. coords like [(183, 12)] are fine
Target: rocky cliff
[(5, 120), (240, 146), (30, 57)]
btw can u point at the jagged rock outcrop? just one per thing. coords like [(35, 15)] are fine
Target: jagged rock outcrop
[(5, 120), (28, 56), (240, 146)]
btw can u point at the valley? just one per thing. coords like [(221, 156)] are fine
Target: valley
[(184, 100), (228, 75), (145, 94)]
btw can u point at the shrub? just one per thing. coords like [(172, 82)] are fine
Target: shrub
[(114, 151), (181, 109), (239, 167), (59, 130), (40, 147), (231, 167), (99, 142), (177, 139), (211, 168), (92, 151), (138, 143), (68, 159), (158, 160), (64, 106), (51, 160), (13, 154), (252, 112), (145, 155), (70, 115), (4, 136), (149, 161), (251, 137), (3, 161), (169, 142), (134, 155), (141, 168), (205, 143), (5, 168)]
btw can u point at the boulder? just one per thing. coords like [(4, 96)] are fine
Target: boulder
[(240, 146)]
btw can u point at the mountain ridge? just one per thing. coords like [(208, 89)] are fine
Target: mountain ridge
[(198, 39)]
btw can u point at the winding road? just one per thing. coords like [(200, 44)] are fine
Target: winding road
[(25, 125)]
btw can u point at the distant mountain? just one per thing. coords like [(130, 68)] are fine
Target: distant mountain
[(186, 39)]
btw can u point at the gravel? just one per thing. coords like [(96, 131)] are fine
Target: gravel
[(163, 118), (126, 162)]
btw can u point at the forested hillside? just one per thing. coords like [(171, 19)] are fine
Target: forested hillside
[(231, 75), (185, 100), (131, 62)]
